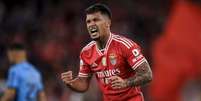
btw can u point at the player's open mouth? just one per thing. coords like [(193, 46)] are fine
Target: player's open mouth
[(93, 29)]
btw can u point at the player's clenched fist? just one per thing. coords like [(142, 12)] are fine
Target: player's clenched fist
[(117, 82), (67, 77)]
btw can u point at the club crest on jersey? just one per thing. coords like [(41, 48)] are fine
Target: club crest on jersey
[(113, 58), (104, 62)]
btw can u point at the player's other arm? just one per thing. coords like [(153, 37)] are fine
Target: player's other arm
[(79, 84), (139, 65), (143, 75), (9, 95), (12, 84)]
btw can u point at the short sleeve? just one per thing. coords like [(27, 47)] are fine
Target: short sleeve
[(13, 79), (134, 56), (85, 70)]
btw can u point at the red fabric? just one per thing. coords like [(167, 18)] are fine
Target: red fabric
[(135, 98), (177, 53)]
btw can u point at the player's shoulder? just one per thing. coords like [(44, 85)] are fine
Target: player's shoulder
[(32, 68), (88, 46), (14, 70), (123, 41)]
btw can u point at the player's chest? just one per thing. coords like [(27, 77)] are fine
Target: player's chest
[(109, 61)]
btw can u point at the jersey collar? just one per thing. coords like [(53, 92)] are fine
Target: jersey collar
[(106, 46)]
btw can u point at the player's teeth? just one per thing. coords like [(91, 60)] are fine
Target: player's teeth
[(94, 30)]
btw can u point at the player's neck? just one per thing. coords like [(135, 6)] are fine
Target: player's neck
[(103, 41), (20, 59)]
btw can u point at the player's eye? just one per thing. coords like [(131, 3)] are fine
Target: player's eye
[(88, 21), (95, 20)]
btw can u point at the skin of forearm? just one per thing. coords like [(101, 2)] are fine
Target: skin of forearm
[(78, 85), (142, 77)]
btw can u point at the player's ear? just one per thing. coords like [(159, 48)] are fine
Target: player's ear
[(108, 23)]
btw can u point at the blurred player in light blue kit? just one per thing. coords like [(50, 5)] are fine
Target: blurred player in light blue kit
[(24, 82)]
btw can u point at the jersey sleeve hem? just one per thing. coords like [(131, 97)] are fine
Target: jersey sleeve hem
[(84, 75)]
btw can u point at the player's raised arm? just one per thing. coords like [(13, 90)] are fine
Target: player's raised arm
[(79, 84)]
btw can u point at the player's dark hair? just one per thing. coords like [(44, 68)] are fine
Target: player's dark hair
[(16, 46), (99, 7)]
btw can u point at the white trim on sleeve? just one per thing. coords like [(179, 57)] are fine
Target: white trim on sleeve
[(84, 75), (139, 63)]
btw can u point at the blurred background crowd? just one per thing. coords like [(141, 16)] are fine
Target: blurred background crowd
[(54, 31)]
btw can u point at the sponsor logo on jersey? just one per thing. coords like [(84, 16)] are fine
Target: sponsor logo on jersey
[(104, 61), (81, 64), (108, 73), (113, 58)]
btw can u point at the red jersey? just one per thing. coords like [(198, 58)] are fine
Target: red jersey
[(121, 56)]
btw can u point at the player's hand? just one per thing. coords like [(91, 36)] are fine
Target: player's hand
[(67, 77), (117, 82)]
